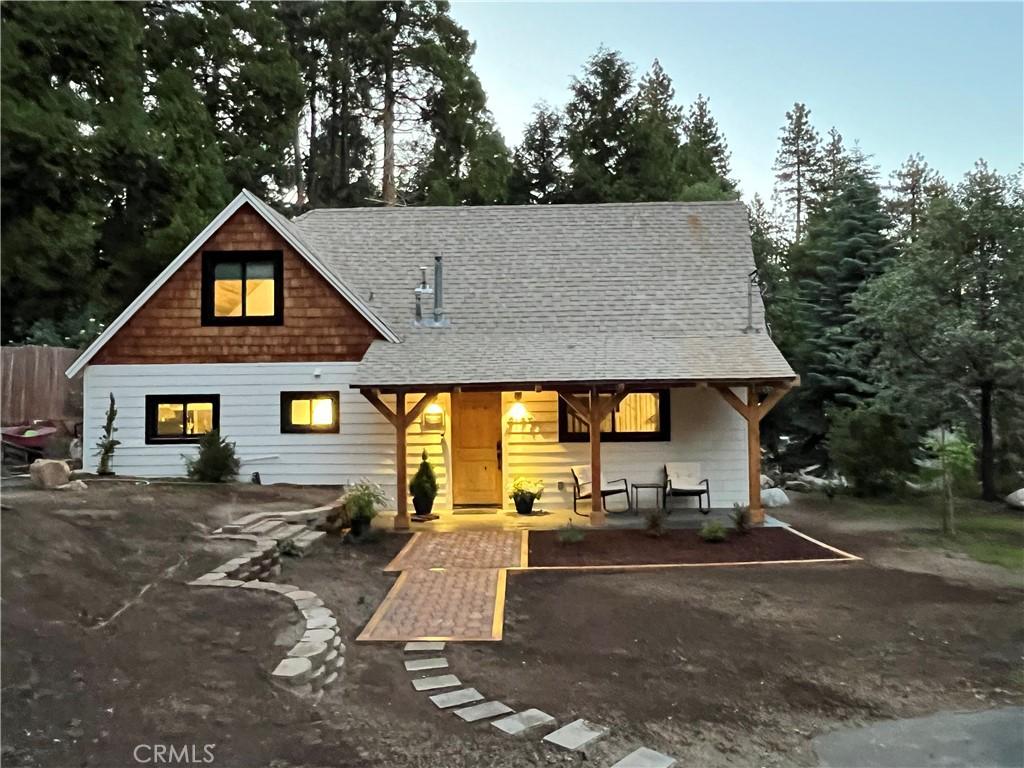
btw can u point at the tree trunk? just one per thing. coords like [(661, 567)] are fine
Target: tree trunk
[(948, 519), (311, 186), (300, 181), (388, 180), (988, 480)]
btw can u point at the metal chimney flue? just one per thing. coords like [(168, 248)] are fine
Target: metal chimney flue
[(438, 290), (420, 291)]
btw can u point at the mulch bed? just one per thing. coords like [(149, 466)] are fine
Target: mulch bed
[(635, 547)]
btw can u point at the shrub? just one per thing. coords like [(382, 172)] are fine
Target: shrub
[(872, 448), (215, 462), (712, 531), (570, 534), (741, 518), (655, 522), (363, 499), (107, 443), (954, 467), (424, 482)]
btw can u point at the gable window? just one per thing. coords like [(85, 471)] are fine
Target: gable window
[(181, 418), (243, 288), (641, 416), (309, 412)]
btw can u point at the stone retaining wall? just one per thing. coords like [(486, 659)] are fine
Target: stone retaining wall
[(318, 659)]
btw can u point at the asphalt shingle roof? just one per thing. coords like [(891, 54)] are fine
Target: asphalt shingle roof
[(623, 292)]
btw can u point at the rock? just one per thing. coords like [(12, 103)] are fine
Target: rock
[(49, 473), (74, 485), (1016, 499), (774, 497), (766, 482), (294, 671)]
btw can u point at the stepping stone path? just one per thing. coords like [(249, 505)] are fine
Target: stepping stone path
[(645, 758), (523, 721), (576, 734), (457, 698), (483, 711)]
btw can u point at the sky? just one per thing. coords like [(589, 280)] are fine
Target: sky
[(942, 79)]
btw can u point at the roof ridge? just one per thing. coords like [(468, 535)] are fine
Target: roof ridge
[(528, 206)]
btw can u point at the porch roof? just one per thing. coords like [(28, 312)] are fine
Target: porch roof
[(442, 359)]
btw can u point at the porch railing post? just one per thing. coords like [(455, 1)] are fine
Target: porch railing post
[(401, 465), (754, 456), (597, 515)]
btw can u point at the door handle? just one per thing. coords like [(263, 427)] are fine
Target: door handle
[(497, 450)]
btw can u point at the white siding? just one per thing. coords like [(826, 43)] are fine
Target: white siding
[(250, 409), (704, 428)]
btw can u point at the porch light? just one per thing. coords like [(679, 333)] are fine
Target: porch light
[(433, 418), (517, 414)]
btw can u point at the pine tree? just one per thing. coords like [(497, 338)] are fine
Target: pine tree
[(537, 164), (598, 121), (834, 162), (913, 186), (797, 167), (706, 148)]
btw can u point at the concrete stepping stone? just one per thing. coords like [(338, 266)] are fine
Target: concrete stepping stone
[(424, 645), (418, 665), (216, 583), (523, 721), (317, 612), (319, 636), (321, 622), (645, 758), (294, 671), (456, 698), (483, 711), (576, 734), (432, 683)]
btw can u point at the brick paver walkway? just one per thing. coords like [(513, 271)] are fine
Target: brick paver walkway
[(452, 587)]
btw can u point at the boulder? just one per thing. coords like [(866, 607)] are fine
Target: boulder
[(74, 485), (766, 482), (49, 473), (774, 497), (1016, 499)]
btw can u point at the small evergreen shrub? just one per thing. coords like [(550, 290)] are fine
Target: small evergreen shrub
[(872, 448), (570, 534), (106, 444), (655, 519), (712, 531), (423, 485), (215, 462), (741, 518)]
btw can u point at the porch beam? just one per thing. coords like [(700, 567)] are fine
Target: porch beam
[(730, 397), (771, 401), (581, 409), (418, 409), (611, 403), (373, 396), (754, 457)]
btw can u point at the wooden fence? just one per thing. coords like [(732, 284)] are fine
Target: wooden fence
[(33, 385)]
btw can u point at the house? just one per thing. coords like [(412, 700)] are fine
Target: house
[(495, 338)]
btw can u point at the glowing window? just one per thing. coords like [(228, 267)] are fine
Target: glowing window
[(242, 288), (180, 418), (309, 411), (639, 416)]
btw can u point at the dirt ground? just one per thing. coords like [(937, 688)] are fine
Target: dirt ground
[(718, 667)]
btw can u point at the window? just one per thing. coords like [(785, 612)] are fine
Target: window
[(641, 416), (181, 418), (242, 288), (309, 411)]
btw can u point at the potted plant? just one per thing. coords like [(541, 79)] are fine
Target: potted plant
[(363, 499), (524, 492), (107, 443), (423, 487)]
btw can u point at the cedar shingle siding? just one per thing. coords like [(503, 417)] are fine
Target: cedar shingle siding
[(318, 323)]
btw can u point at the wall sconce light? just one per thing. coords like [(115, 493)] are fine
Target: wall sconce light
[(518, 414), (433, 418)]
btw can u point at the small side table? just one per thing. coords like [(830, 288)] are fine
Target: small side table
[(658, 488)]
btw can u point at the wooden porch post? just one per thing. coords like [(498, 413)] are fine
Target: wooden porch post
[(401, 464), (597, 516), (754, 457)]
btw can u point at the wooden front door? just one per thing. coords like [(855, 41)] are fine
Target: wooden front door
[(476, 448)]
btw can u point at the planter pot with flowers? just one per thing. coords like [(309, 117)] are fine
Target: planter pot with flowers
[(524, 492)]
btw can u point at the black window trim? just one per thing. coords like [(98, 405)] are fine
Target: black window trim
[(662, 435), (154, 401), (210, 261), (287, 397)]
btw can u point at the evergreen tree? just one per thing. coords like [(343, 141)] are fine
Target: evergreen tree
[(834, 163), (598, 123), (846, 245), (797, 167), (950, 316), (650, 167), (706, 150), (913, 186), (537, 173)]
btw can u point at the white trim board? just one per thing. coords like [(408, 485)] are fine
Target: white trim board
[(271, 218)]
